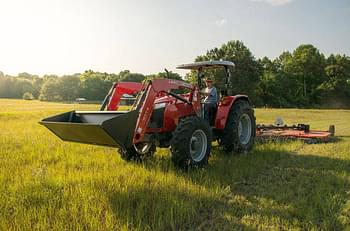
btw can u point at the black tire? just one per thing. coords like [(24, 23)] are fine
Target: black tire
[(191, 143), (131, 154), (231, 139)]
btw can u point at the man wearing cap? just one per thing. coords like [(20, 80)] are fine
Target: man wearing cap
[(210, 100)]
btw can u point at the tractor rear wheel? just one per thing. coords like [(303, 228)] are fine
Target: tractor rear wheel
[(239, 133), (137, 152), (191, 143)]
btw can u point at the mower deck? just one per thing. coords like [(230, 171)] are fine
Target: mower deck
[(294, 132)]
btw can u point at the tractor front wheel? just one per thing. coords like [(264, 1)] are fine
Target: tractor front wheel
[(191, 143), (239, 133), (137, 152)]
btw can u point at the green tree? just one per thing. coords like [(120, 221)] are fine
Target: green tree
[(336, 89), (112, 77), (28, 96), (14, 87), (131, 77), (25, 75), (94, 85), (69, 87), (268, 90), (169, 74), (5, 87), (37, 84), (160, 75), (50, 91), (307, 65)]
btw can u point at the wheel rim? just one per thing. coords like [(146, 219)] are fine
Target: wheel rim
[(198, 145), (142, 148), (244, 129)]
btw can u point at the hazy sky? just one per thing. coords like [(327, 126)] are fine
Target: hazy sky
[(69, 36)]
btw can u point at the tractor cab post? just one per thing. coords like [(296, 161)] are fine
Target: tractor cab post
[(228, 82)]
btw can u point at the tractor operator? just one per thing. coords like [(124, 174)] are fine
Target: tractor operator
[(210, 101)]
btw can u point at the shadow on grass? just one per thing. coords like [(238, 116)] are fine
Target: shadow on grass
[(165, 207), (277, 184), (269, 188)]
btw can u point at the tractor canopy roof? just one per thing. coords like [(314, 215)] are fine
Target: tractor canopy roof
[(206, 65)]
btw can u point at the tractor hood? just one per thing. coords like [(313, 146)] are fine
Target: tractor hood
[(168, 99)]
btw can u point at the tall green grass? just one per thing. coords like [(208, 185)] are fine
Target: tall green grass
[(47, 184)]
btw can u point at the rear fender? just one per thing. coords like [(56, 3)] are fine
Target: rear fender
[(224, 108)]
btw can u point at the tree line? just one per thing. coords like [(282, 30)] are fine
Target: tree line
[(90, 85), (302, 78)]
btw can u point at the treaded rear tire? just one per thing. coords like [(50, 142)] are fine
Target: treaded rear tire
[(231, 141), (185, 139)]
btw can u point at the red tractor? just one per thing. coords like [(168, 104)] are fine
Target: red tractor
[(161, 117)]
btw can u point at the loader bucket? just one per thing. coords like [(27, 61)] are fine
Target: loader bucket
[(106, 128)]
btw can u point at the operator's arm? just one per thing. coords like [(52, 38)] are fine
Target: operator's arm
[(214, 94)]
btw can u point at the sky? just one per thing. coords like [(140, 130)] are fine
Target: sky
[(145, 36)]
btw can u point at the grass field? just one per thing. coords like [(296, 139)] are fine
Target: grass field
[(47, 184)]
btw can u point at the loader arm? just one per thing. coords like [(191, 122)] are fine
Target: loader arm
[(118, 90), (146, 102)]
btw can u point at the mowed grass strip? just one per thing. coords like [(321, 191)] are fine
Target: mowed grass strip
[(47, 184)]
